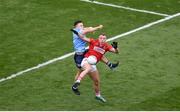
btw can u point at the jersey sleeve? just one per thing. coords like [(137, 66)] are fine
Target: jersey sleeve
[(91, 40), (109, 47)]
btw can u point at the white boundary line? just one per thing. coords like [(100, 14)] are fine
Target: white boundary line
[(70, 54), (127, 8), (144, 27)]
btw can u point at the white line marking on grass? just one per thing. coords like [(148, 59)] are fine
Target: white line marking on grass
[(127, 8), (144, 27), (38, 66), (70, 54)]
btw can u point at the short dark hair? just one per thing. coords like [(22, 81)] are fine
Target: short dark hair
[(103, 34), (77, 22)]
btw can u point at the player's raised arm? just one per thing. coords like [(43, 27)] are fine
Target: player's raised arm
[(83, 37), (91, 29)]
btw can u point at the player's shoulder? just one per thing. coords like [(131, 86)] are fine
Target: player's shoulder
[(78, 29), (92, 39), (107, 44)]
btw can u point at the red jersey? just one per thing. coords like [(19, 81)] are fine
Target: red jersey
[(96, 49)]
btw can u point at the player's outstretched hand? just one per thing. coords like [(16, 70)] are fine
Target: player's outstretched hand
[(74, 31), (100, 26), (115, 45)]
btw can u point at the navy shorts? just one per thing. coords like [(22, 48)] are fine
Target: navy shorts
[(78, 58)]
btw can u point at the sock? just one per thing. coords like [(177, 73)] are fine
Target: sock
[(98, 94), (109, 64), (78, 81)]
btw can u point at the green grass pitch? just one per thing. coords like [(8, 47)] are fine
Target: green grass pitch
[(35, 31)]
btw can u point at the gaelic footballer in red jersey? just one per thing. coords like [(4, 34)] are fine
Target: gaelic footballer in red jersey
[(97, 48)]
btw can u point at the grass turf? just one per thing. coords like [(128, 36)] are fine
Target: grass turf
[(161, 6), (147, 78), (33, 31)]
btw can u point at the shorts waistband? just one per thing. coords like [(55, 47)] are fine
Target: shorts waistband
[(79, 53)]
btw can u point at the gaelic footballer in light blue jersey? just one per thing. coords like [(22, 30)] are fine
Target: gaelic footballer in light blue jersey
[(78, 43)]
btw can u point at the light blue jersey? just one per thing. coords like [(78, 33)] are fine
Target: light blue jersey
[(79, 44)]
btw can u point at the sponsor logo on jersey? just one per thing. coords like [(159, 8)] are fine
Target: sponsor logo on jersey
[(98, 49)]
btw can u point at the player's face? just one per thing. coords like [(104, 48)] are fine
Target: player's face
[(80, 25), (102, 38)]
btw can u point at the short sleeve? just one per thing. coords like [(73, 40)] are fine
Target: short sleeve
[(91, 40), (109, 47)]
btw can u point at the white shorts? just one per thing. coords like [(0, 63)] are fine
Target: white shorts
[(93, 67)]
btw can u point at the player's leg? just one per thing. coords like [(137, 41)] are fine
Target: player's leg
[(96, 84), (77, 59), (96, 81), (108, 63), (86, 68), (77, 74)]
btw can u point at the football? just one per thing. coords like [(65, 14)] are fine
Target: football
[(92, 60)]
